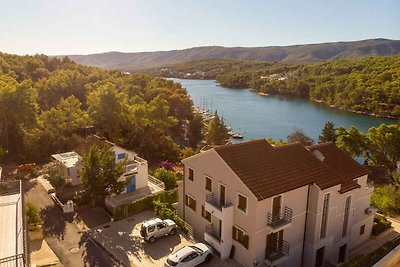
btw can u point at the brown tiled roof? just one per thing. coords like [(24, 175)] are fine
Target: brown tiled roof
[(340, 162), (268, 170), (92, 140), (348, 186)]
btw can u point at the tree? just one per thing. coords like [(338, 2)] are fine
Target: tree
[(55, 172), (100, 175), (386, 199), (217, 132), (353, 142), (166, 176), (380, 146), (107, 109), (18, 112), (298, 135), (32, 215), (328, 133), (195, 131)]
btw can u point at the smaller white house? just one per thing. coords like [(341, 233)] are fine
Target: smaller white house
[(135, 169), (72, 163)]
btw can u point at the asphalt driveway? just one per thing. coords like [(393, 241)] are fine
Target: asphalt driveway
[(67, 241)]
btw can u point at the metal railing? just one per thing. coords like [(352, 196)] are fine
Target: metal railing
[(280, 219), (211, 231), (211, 199), (370, 184), (277, 251), (155, 182)]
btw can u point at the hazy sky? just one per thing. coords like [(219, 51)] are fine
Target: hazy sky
[(81, 27)]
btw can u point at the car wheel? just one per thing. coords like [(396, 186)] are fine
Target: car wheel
[(208, 258), (172, 231), (152, 239)]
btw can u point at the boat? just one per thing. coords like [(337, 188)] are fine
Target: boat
[(237, 136)]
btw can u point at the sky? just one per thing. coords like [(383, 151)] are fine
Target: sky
[(66, 27)]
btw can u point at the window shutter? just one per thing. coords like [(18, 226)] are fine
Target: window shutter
[(246, 241), (233, 232)]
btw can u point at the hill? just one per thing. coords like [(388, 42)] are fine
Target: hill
[(294, 53)]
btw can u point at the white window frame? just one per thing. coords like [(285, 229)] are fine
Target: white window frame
[(247, 202)]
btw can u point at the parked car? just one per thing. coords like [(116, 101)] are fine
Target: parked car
[(156, 227), (190, 256)]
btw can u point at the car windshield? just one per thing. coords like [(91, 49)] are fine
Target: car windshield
[(171, 262), (196, 249)]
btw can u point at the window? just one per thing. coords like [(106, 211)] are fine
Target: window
[(240, 236), (362, 229), (208, 184), (191, 174), (324, 221), (121, 156), (346, 216), (191, 202), (205, 213), (242, 203), (151, 229), (161, 225)]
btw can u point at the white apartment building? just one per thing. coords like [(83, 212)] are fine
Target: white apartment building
[(277, 206)]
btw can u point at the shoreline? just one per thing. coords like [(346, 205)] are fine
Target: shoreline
[(311, 100)]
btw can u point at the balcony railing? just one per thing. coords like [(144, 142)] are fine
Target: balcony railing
[(210, 198), (210, 229), (280, 249), (370, 184), (280, 219)]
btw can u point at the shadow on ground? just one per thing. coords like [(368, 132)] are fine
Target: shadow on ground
[(93, 216), (53, 222)]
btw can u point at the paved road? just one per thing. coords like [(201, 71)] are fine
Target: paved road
[(70, 245)]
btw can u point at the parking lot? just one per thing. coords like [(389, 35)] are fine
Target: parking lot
[(123, 240)]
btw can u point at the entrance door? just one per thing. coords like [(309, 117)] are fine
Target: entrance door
[(274, 243), (132, 186), (319, 259), (342, 253), (276, 208), (222, 194)]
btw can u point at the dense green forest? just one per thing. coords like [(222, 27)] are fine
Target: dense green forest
[(46, 104), (370, 85)]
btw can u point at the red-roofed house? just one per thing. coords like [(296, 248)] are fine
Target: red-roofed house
[(277, 206)]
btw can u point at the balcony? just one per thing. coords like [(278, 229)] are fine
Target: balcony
[(215, 207), (278, 254), (280, 221)]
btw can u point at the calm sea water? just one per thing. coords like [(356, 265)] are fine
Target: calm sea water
[(256, 116)]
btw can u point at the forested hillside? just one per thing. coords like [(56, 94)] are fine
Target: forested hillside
[(46, 104), (370, 85), (293, 53)]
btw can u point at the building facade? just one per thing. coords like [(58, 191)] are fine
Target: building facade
[(277, 206)]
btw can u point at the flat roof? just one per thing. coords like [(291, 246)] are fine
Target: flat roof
[(69, 159), (12, 250)]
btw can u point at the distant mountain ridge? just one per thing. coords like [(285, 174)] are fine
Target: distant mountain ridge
[(293, 53)]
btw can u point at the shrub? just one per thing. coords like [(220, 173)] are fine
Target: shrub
[(380, 224), (145, 203), (168, 177), (32, 216)]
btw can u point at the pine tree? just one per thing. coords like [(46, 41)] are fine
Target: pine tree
[(217, 132), (328, 133)]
